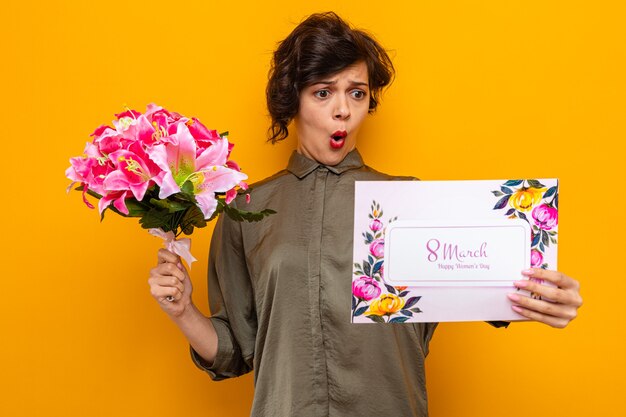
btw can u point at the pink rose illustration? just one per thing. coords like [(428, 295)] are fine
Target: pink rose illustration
[(376, 225), (377, 248), (536, 258), (546, 217), (365, 288)]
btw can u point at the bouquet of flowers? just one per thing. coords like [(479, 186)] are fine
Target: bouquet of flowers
[(167, 169)]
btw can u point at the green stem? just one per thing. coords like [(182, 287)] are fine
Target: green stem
[(175, 223), (355, 309)]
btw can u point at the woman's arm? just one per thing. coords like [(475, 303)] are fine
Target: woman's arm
[(170, 279)]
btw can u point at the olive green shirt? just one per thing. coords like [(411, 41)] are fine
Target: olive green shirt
[(280, 298)]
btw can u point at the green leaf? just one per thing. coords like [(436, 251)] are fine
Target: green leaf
[(416, 310), (156, 218), (535, 241), (136, 208), (535, 184), (550, 192), (513, 183), (502, 202), (169, 205), (183, 197), (187, 187), (411, 302), (398, 320), (406, 313), (194, 216), (391, 289), (243, 215), (191, 218), (367, 268), (360, 311), (498, 193), (376, 319), (377, 266)]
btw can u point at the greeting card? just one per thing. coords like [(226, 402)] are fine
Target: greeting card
[(433, 251)]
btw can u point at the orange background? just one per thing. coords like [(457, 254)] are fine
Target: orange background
[(485, 90)]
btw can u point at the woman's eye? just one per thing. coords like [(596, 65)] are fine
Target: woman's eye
[(322, 93), (358, 94)]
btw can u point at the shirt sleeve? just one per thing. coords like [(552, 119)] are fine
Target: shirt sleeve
[(231, 302)]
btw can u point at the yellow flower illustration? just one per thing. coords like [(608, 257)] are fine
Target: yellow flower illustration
[(525, 198), (386, 304)]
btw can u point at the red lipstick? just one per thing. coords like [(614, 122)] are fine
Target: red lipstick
[(338, 139)]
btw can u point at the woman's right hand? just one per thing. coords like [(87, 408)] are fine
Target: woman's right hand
[(170, 279)]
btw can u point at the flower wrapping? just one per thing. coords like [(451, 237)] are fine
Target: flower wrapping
[(169, 170)]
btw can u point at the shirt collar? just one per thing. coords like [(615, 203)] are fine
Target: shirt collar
[(301, 166)]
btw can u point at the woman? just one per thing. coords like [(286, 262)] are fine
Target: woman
[(278, 288)]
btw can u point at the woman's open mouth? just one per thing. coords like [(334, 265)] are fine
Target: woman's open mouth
[(338, 139)]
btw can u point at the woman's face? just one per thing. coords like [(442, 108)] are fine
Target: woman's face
[(330, 115)]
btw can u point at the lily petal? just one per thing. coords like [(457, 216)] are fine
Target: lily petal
[(120, 204), (167, 184), (207, 204), (219, 179), (181, 159), (216, 154), (139, 190), (116, 181), (230, 195)]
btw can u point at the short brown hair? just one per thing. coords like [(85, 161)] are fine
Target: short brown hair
[(321, 45)]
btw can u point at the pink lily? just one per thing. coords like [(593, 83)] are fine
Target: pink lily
[(135, 126), (118, 199), (107, 140), (207, 172), (134, 171), (90, 171), (163, 120)]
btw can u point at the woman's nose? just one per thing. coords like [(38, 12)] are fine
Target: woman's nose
[(342, 109)]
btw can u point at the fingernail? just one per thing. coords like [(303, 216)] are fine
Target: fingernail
[(513, 297), (521, 284), (528, 271), (516, 309)]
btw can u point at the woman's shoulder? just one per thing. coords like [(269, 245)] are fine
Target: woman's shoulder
[(261, 192)]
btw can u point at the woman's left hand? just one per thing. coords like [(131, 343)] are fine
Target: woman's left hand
[(564, 299)]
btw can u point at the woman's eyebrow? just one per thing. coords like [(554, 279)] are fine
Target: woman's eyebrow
[(359, 83)]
